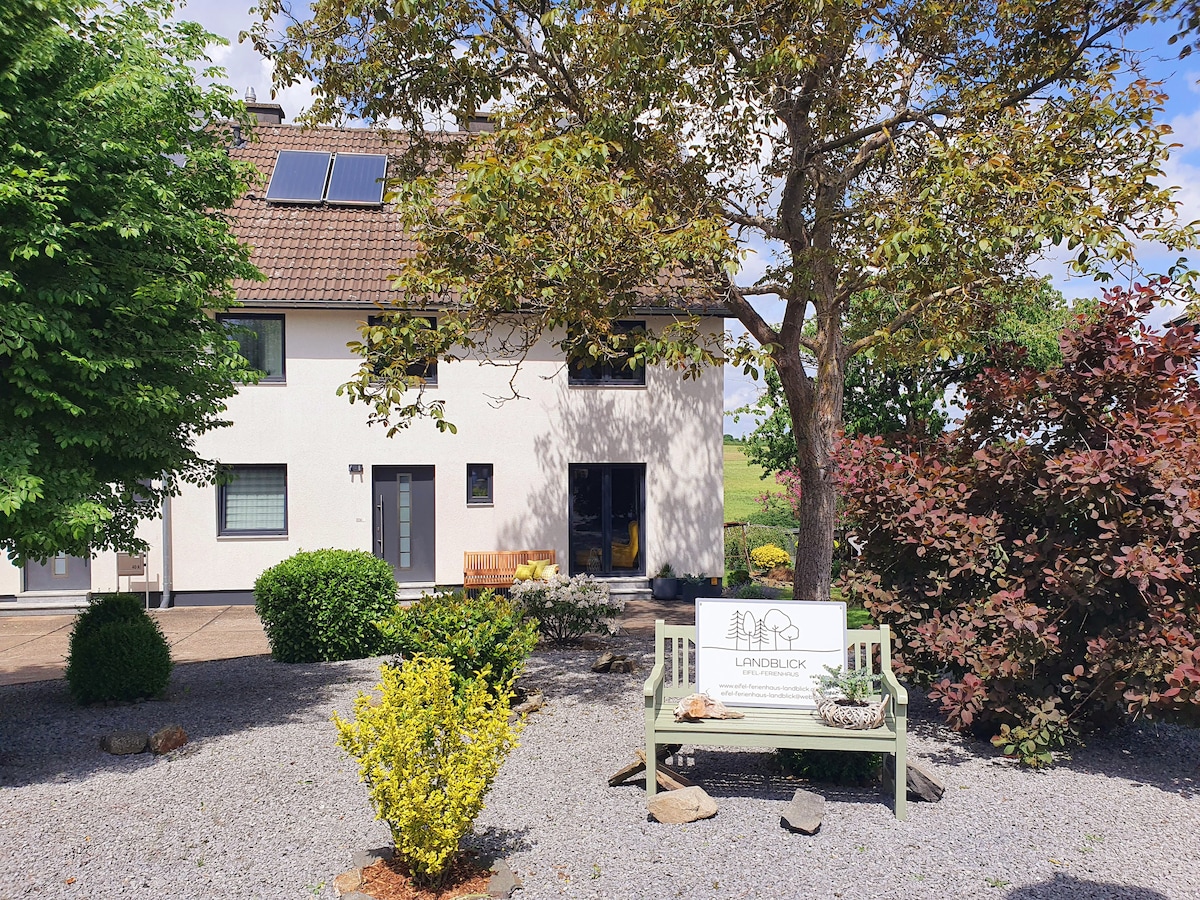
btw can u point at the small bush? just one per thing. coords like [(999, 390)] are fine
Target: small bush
[(749, 592), (428, 756), (323, 605), (769, 556), (832, 766), (738, 577), (484, 635), (117, 652), (568, 608)]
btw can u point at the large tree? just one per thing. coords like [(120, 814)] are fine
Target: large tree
[(112, 247), (915, 149)]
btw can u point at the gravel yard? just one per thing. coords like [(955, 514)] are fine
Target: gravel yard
[(262, 804)]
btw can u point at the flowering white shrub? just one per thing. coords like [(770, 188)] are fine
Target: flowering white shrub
[(568, 608)]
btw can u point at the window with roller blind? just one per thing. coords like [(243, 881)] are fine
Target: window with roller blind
[(252, 500)]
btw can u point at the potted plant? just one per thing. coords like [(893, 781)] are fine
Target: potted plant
[(844, 698), (665, 585), (700, 586)]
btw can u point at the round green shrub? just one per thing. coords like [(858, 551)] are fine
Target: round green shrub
[(737, 577), (484, 636), (117, 652), (322, 605)]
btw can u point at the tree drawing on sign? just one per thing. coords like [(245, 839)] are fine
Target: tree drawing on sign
[(742, 629), (777, 627)]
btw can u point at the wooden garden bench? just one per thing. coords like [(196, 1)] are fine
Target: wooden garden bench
[(496, 568), (674, 677)]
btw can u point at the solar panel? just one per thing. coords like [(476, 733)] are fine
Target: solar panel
[(299, 177), (357, 178)]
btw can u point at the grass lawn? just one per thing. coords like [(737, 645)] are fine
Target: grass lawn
[(743, 482)]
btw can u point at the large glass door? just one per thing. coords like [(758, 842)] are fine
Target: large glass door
[(606, 531)]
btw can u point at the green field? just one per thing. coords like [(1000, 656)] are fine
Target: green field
[(743, 483)]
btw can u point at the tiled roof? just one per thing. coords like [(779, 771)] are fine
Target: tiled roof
[(330, 255), (316, 254)]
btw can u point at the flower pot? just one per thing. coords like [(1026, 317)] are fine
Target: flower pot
[(664, 588)]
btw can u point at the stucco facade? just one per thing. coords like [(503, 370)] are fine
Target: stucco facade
[(670, 426)]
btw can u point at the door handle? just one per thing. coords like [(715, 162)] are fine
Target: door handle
[(379, 525)]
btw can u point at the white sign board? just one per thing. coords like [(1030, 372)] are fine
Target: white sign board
[(767, 652)]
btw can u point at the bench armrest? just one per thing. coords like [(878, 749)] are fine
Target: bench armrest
[(654, 686), (895, 690)]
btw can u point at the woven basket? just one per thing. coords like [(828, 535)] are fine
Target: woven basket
[(857, 718)]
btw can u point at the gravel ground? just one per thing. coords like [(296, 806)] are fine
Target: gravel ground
[(262, 804)]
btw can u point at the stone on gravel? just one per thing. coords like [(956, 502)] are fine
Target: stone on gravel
[(124, 743), (803, 813), (503, 881), (348, 882), (922, 784), (168, 738), (679, 807), (603, 663), (360, 859)]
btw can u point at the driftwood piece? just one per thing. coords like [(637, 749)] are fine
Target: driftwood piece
[(694, 707), (667, 779)]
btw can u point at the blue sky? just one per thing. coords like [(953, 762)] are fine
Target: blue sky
[(245, 68)]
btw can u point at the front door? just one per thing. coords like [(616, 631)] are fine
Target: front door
[(59, 573), (607, 535), (404, 521)]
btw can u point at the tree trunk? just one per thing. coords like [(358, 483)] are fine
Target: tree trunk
[(816, 412)]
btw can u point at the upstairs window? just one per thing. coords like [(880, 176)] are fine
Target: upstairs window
[(348, 179), (615, 371), (427, 372), (260, 342)]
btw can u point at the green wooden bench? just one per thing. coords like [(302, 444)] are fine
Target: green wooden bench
[(674, 677)]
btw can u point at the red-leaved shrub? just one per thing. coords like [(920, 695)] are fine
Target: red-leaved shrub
[(1039, 563)]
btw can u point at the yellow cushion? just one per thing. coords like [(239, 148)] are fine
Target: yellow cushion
[(550, 571), (524, 573), (538, 565)]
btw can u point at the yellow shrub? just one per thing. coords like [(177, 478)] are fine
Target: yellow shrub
[(768, 556), (427, 757)]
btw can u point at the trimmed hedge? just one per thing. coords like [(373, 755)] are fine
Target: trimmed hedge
[(322, 605), (117, 652)]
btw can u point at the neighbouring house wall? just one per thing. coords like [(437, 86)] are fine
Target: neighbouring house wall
[(671, 425)]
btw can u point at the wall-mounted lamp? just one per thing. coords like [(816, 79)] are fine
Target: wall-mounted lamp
[(356, 468)]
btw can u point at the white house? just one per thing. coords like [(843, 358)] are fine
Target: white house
[(618, 472)]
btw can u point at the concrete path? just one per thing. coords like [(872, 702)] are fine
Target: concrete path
[(34, 648)]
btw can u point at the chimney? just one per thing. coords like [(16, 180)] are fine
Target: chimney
[(482, 122), (265, 113)]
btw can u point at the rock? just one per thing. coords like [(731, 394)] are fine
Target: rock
[(123, 743), (503, 881), (685, 805), (348, 882), (623, 665), (670, 780), (360, 859), (626, 772), (702, 706), (532, 702), (922, 784), (168, 738), (803, 813), (604, 662)]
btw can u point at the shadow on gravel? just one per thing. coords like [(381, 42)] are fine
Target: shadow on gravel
[(564, 674), (502, 842), (1065, 887), (45, 737), (1158, 755)]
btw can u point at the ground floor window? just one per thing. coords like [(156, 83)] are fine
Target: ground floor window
[(252, 499), (607, 501)]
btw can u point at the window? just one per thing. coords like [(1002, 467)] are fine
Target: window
[(612, 372), (307, 176), (253, 500), (427, 372), (260, 341), (479, 484)]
